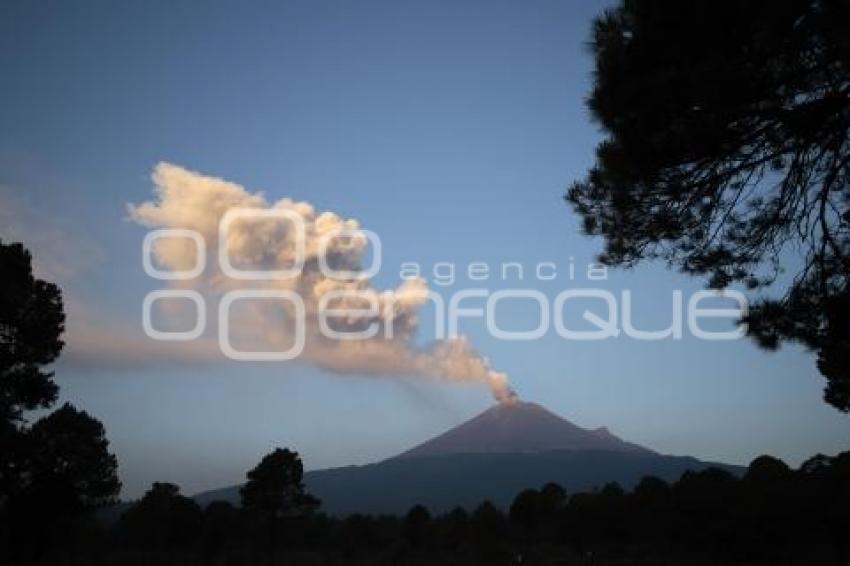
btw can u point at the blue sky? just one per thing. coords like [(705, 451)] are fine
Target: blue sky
[(451, 129)]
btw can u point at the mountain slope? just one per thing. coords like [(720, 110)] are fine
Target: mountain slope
[(519, 427), (444, 482), (493, 456)]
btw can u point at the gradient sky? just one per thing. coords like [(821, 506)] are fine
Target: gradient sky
[(451, 129)]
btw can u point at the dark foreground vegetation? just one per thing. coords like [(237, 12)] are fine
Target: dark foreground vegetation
[(726, 154), (772, 515)]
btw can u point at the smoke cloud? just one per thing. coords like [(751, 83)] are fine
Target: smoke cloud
[(187, 199)]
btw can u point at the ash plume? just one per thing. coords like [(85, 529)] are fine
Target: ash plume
[(187, 199)]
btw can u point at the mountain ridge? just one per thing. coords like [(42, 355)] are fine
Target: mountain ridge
[(492, 456), (519, 427)]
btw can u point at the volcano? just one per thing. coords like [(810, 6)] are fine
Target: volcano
[(519, 427), (493, 456)]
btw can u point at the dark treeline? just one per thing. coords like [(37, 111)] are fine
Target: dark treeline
[(771, 515)]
